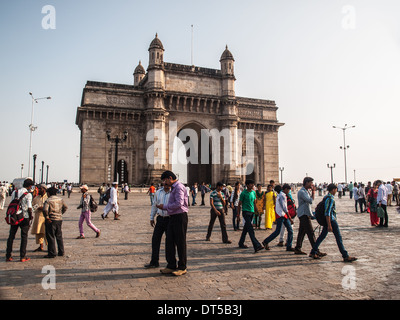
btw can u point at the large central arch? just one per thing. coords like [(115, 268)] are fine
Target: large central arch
[(196, 167)]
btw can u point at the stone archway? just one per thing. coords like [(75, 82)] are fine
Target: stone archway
[(198, 166)]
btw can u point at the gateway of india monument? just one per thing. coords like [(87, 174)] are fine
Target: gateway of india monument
[(128, 131)]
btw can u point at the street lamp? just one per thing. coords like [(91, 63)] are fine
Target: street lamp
[(281, 170), (47, 174), (41, 181), (22, 170), (32, 128), (331, 167), (116, 140), (34, 167), (344, 147)]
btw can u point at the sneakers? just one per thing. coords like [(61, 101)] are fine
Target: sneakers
[(167, 271), (25, 259)]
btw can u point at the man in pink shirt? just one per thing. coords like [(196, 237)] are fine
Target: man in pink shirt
[(177, 209)]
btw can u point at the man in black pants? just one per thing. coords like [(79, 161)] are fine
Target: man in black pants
[(161, 197), (177, 209), (304, 213), (26, 206), (53, 209)]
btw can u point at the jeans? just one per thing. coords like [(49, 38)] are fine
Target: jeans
[(24, 226), (248, 228), (279, 222), (235, 218), (194, 199), (338, 237)]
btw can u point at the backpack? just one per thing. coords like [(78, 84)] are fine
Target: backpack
[(14, 214), (93, 205), (107, 195), (320, 213)]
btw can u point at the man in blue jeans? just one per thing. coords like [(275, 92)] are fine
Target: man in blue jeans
[(284, 219), (247, 202), (331, 226)]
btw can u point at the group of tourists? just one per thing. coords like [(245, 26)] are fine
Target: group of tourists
[(42, 209)]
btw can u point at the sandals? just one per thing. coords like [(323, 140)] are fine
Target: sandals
[(80, 237)]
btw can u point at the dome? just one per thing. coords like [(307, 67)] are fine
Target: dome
[(156, 44), (140, 69), (227, 55)]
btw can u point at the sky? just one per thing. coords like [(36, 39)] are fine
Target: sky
[(324, 62)]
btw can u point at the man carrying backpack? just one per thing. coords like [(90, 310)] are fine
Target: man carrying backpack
[(26, 207), (331, 226)]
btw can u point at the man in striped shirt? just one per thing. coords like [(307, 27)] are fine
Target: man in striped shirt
[(332, 226)]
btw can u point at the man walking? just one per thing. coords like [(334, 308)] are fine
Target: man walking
[(160, 226), (247, 203), (305, 196), (177, 208), (112, 204), (331, 226), (218, 203), (283, 220)]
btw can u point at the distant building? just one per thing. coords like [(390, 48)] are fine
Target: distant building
[(196, 98)]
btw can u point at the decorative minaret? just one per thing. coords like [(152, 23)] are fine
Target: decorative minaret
[(228, 73), (229, 117), (138, 74), (155, 70), (156, 114)]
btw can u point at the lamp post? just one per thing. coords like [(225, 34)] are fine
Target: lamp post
[(331, 167), (34, 167), (116, 140), (32, 128), (345, 147), (47, 174), (41, 181), (22, 170), (281, 170)]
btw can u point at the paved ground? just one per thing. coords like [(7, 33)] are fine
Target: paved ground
[(111, 267)]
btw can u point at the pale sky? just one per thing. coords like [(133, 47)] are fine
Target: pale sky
[(325, 63)]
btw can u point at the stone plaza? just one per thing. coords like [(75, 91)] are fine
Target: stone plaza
[(111, 267)]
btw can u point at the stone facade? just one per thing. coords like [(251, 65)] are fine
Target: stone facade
[(187, 97)]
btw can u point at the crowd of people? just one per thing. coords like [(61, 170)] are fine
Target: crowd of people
[(42, 210)]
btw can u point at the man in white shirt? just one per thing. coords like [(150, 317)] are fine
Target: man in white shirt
[(160, 227), (283, 220), (26, 207), (356, 196), (340, 189), (112, 204), (3, 195), (389, 193), (382, 202)]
